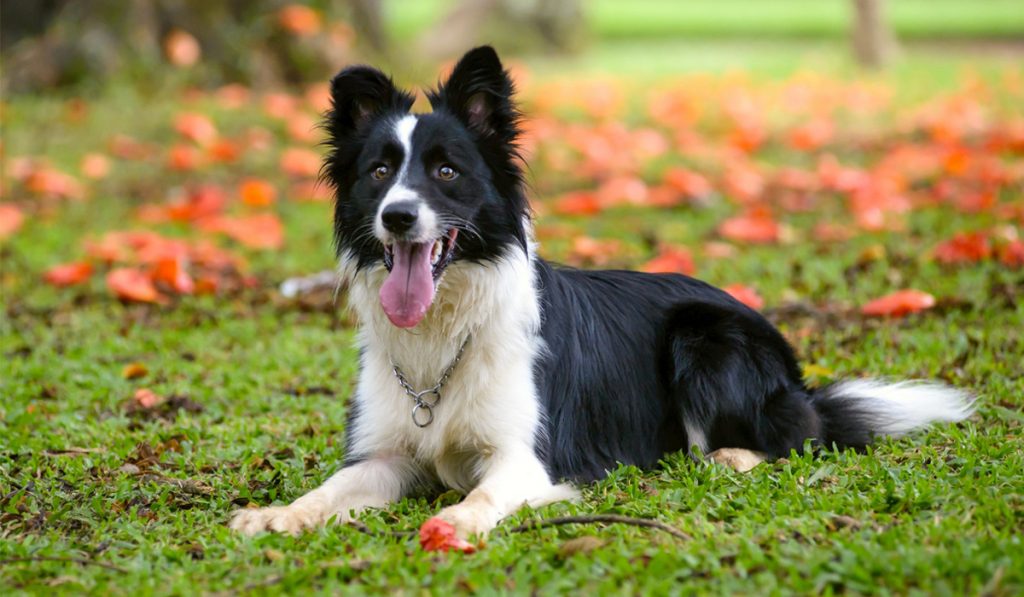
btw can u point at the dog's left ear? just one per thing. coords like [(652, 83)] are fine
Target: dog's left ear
[(479, 92)]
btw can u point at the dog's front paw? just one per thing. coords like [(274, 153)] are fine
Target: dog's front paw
[(291, 519), (468, 521)]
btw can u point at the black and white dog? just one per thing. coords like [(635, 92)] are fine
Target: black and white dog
[(487, 370)]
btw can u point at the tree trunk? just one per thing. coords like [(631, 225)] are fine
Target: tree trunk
[(873, 41)]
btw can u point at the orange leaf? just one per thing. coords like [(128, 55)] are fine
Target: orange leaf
[(299, 20), (303, 128), (47, 181), (147, 398), (439, 535), (224, 150), (300, 162), (690, 184), (134, 371), (964, 248), (746, 295), (578, 203), (196, 127), (670, 260), (256, 192), (95, 166), (1012, 254), (171, 271), (133, 285), (11, 219), (258, 231), (183, 158), (751, 228), (590, 250), (68, 274), (181, 48), (899, 303)]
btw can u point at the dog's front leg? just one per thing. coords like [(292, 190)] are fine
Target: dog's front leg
[(512, 479), (371, 483)]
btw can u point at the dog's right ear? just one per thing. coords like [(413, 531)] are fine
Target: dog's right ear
[(358, 95)]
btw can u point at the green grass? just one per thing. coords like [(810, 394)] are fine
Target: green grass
[(793, 19), (938, 513)]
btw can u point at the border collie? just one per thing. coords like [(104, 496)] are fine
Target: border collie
[(485, 369)]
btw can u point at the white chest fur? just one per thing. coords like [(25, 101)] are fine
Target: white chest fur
[(489, 403)]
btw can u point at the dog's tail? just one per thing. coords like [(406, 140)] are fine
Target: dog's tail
[(854, 412)]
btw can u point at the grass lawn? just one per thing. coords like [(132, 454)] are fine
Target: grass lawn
[(97, 495)]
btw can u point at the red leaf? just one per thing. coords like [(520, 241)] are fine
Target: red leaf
[(899, 303), (746, 295), (299, 20), (257, 192), (438, 535), (146, 398), (690, 184), (1012, 254), (171, 271), (68, 274), (259, 231), (753, 227), (11, 219), (181, 48), (183, 158), (133, 285), (300, 162), (577, 203), (964, 247), (670, 260), (591, 250), (196, 127), (95, 166)]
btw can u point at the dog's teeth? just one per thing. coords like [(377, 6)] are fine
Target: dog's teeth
[(435, 253)]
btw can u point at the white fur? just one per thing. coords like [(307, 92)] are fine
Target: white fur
[(427, 228), (481, 441), (900, 407)]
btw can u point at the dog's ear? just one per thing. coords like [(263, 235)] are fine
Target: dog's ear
[(358, 95), (479, 92)]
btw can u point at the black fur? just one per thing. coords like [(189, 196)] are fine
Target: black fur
[(631, 359)]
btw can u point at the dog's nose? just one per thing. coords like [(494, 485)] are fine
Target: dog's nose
[(399, 217)]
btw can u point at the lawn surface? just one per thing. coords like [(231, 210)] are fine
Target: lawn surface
[(103, 492)]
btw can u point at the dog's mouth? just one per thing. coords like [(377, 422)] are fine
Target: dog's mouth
[(413, 271)]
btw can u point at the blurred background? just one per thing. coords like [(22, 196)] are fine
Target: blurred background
[(57, 43)]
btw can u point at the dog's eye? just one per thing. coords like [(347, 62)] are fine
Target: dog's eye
[(446, 173), (381, 172)]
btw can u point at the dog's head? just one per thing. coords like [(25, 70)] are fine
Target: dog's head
[(418, 193)]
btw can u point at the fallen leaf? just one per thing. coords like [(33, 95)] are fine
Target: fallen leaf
[(257, 192), (300, 162), (68, 274), (95, 166), (134, 371), (964, 247), (578, 203), (299, 20), (11, 219), (746, 295), (670, 260), (181, 48), (146, 398), (897, 304), (258, 231), (196, 127), (439, 535), (133, 285), (1012, 253), (183, 158), (752, 228), (172, 272)]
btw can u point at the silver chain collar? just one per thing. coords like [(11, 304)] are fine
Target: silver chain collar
[(425, 400)]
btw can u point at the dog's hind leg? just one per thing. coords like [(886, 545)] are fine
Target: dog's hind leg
[(737, 385), (372, 483)]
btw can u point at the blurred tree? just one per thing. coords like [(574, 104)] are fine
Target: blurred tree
[(873, 40), (509, 24), (260, 42)]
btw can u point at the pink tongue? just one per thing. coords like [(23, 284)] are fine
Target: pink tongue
[(409, 289)]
